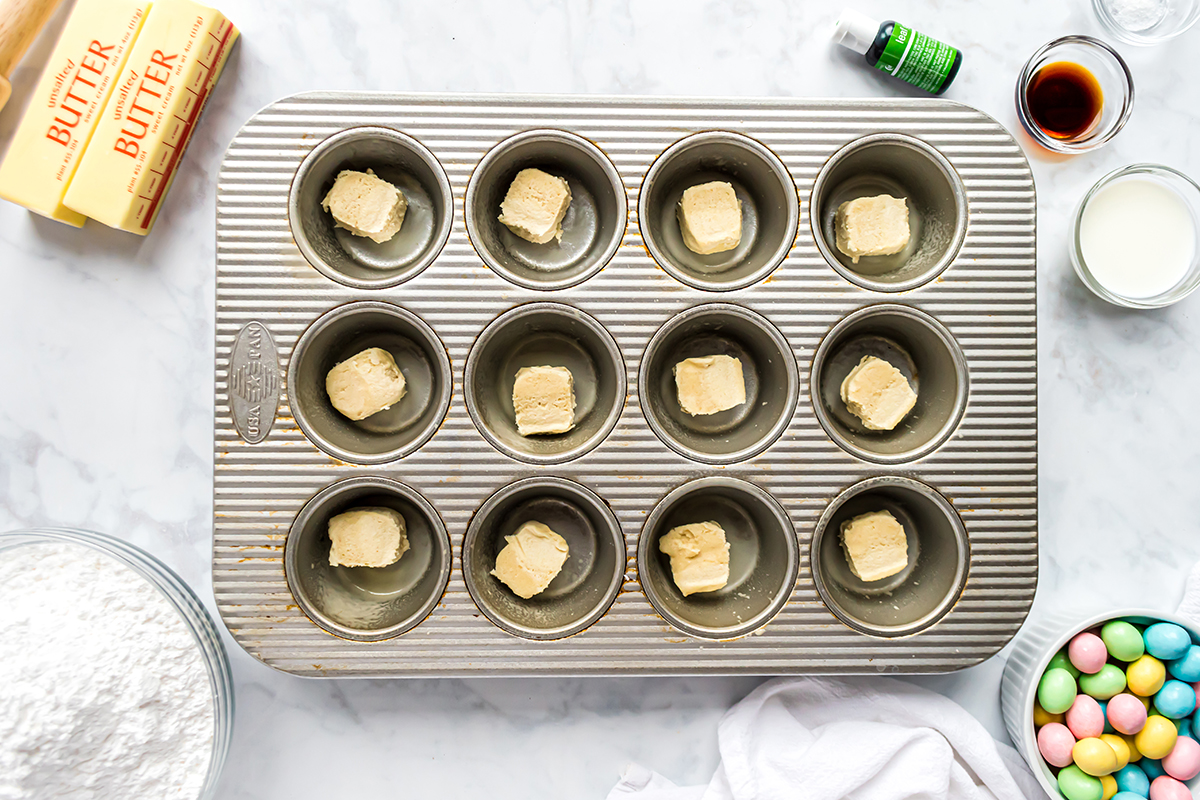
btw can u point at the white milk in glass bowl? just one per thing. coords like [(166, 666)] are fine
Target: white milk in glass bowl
[(1136, 237)]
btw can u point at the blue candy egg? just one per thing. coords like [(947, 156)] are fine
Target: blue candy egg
[(1128, 796), (1185, 727), (1152, 768), (1175, 700), (1187, 668), (1166, 641), (1131, 779)]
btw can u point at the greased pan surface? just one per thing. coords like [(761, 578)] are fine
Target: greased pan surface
[(986, 299)]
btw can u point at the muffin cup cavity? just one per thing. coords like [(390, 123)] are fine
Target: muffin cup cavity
[(763, 558), (545, 334), (363, 603), (770, 209), (394, 432), (592, 229), (900, 166), (590, 579), (914, 599), (926, 354), (768, 369), (357, 261)]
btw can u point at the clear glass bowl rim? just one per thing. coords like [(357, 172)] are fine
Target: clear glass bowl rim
[(185, 601), (1127, 36), (1174, 295), (1030, 69)]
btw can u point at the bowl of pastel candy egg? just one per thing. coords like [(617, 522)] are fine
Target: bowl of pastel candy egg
[(1115, 712)]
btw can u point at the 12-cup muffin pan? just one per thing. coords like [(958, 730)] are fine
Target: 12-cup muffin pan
[(462, 304)]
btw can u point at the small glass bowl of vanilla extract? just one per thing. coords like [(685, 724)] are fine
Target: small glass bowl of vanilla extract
[(1074, 94)]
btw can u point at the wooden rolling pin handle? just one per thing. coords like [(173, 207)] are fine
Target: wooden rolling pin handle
[(20, 23)]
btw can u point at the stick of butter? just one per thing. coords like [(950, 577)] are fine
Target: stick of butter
[(65, 107), (139, 141)]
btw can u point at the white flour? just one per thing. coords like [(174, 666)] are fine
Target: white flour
[(1138, 15), (103, 690)]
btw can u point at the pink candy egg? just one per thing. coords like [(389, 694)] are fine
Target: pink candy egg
[(1055, 743), (1183, 762), (1084, 717), (1167, 788), (1087, 652), (1126, 713)]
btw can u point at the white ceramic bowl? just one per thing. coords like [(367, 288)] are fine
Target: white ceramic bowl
[(1033, 648)]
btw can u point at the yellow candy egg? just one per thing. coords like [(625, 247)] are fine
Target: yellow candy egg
[(1135, 755), (1119, 747), (1146, 676), (1109, 784), (1157, 739), (1043, 717), (1094, 757)]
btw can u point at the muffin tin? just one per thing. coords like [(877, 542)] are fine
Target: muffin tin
[(461, 304)]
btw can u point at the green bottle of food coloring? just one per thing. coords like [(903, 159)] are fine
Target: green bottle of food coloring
[(899, 51)]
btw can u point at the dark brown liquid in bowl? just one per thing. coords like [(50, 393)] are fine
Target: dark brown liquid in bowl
[(1064, 100)]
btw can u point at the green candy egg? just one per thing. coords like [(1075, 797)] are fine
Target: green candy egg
[(1105, 684), (1124, 642), (1060, 661), (1056, 691), (1075, 784)]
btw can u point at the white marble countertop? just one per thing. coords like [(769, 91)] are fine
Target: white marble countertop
[(106, 413)]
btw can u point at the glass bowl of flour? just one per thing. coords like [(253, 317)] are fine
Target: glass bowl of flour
[(1147, 22), (116, 684)]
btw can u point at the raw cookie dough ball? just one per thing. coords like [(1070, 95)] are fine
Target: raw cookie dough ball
[(872, 226), (367, 537), (366, 205), (708, 384), (535, 206), (875, 545), (544, 400), (531, 559), (710, 218), (365, 384), (878, 394), (699, 556)]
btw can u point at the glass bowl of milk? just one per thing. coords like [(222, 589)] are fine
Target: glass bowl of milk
[(1136, 238)]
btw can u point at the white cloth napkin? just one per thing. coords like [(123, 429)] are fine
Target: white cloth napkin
[(1189, 606), (869, 738)]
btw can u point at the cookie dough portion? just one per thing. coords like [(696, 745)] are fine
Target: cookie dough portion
[(544, 400), (365, 384), (699, 556), (875, 546), (366, 205), (878, 394), (709, 384), (535, 206), (710, 218), (872, 226), (367, 537), (531, 559)]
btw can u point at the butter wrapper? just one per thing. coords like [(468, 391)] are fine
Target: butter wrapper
[(140, 139), (66, 106)]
